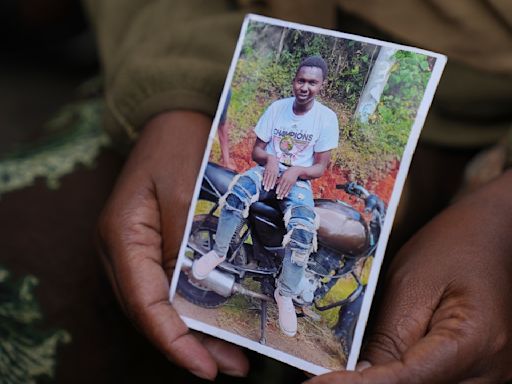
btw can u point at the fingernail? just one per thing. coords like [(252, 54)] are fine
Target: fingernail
[(235, 373), (362, 365), (202, 375)]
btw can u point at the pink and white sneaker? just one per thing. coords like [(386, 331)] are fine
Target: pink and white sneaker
[(207, 263), (287, 315)]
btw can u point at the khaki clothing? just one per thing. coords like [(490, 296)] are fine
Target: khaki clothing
[(174, 54)]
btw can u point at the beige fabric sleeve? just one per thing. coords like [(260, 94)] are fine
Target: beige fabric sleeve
[(162, 55)]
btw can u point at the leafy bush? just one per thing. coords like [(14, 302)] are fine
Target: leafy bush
[(264, 73)]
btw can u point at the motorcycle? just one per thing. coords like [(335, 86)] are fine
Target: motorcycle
[(344, 238)]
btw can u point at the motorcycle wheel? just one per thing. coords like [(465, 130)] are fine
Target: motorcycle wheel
[(203, 234)]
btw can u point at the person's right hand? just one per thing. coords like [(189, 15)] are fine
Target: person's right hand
[(446, 314), (140, 232), (271, 173)]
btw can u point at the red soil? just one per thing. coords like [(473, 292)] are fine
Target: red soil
[(325, 187)]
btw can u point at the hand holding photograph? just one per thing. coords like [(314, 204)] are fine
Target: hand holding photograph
[(299, 185)]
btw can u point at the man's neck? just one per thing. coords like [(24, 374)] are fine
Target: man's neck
[(302, 109)]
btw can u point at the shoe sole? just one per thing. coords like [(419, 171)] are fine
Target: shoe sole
[(287, 333)]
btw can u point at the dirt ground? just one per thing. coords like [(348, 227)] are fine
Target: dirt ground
[(240, 315)]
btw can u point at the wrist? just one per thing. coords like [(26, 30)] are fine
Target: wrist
[(298, 171), (179, 120), (271, 160), (172, 137)]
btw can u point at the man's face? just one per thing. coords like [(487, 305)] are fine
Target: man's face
[(307, 84)]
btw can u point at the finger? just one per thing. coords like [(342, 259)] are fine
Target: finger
[(285, 188), (273, 181), (107, 265), (403, 314), (230, 358), (267, 180), (279, 193), (478, 380), (144, 291), (279, 186), (442, 356), (174, 205), (141, 283)]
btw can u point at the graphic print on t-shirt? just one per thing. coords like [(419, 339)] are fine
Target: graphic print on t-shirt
[(294, 139), (290, 142)]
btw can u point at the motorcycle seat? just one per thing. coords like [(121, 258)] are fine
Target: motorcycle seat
[(267, 207), (219, 176), (267, 212)]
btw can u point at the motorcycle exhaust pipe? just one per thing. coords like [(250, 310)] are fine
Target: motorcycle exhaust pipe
[(221, 283)]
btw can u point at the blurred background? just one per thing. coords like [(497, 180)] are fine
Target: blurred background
[(59, 321)]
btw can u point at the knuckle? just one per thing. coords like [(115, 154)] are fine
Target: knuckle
[(383, 347), (501, 343)]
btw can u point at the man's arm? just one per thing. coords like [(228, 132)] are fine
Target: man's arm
[(320, 163), (292, 174)]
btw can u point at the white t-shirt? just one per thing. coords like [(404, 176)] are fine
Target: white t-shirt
[(292, 138)]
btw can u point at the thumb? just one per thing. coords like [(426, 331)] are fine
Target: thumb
[(403, 317), (430, 360)]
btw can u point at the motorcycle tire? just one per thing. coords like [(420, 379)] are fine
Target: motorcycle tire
[(203, 225)]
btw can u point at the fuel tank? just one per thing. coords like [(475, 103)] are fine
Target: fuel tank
[(341, 227)]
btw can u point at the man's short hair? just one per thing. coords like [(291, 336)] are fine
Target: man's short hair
[(314, 61)]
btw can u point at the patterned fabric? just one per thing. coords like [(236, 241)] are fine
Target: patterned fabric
[(75, 136), (27, 352), (28, 346)]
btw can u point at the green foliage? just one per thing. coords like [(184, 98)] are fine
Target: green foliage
[(406, 84), (281, 50), (270, 57)]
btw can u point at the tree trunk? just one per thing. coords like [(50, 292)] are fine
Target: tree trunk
[(281, 44), (372, 92)]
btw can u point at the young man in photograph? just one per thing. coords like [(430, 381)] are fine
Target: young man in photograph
[(294, 139)]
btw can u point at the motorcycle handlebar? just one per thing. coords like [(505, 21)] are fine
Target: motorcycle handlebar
[(372, 202), (353, 188)]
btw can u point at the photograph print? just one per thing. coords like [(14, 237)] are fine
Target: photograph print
[(306, 161)]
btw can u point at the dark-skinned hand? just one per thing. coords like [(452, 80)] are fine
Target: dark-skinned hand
[(286, 182), (446, 315), (140, 231), (271, 173)]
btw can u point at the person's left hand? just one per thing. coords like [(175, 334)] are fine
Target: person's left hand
[(446, 316), (286, 182), (140, 233)]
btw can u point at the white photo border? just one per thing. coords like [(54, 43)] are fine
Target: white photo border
[(391, 209)]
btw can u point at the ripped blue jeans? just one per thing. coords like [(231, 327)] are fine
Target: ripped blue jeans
[(299, 219)]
